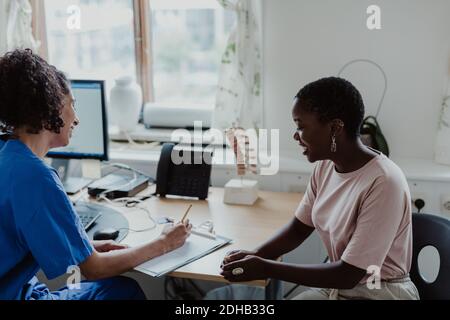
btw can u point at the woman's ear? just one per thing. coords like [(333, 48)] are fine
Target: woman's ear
[(337, 127)]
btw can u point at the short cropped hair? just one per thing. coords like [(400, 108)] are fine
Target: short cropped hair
[(334, 98)]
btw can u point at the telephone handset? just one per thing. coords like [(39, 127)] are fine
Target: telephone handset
[(189, 178)]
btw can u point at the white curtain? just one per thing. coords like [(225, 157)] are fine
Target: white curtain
[(239, 99), (442, 146), (15, 26)]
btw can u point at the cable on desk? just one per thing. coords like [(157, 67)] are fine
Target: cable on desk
[(117, 203)]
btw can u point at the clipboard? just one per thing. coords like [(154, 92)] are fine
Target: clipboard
[(195, 247)]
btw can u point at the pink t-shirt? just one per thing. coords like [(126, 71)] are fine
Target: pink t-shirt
[(363, 217)]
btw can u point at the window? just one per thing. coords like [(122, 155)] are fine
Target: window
[(187, 42), (103, 48), (188, 39)]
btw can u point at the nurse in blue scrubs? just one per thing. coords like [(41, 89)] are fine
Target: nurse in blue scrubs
[(39, 228), (3, 139)]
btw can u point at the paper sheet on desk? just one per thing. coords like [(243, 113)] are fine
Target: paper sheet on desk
[(195, 247)]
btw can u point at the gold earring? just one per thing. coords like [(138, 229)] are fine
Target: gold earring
[(333, 144)]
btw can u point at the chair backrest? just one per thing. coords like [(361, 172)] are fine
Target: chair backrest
[(431, 230)]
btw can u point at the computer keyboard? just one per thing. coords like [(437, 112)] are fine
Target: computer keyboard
[(87, 215)]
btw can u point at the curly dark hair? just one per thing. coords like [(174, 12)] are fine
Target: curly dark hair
[(31, 93), (334, 98)]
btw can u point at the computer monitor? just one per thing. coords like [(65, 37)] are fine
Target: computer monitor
[(90, 137)]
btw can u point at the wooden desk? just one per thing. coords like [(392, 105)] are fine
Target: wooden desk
[(248, 226)]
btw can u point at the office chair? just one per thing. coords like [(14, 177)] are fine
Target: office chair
[(431, 230), (428, 230)]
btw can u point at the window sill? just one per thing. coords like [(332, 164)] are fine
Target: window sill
[(413, 168), (223, 158), (143, 134)]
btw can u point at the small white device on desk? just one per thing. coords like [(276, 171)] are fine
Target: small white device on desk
[(241, 191)]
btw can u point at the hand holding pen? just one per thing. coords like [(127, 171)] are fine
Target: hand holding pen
[(175, 236)]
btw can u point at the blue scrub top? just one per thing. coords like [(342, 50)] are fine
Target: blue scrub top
[(39, 228)]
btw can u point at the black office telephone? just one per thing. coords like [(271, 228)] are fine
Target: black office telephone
[(189, 179)]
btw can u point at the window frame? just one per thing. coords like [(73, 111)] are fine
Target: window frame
[(143, 48), (39, 27), (141, 34)]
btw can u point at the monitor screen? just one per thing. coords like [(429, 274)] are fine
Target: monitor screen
[(90, 138)]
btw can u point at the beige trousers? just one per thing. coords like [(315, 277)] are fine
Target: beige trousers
[(398, 289)]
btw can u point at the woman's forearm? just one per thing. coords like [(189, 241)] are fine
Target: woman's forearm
[(336, 275), (116, 262), (113, 263), (287, 239)]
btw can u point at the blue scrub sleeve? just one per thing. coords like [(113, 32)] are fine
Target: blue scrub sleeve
[(50, 227)]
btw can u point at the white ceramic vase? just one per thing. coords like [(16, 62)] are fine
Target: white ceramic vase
[(126, 103)]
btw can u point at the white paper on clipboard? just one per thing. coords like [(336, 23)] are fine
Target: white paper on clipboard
[(195, 247)]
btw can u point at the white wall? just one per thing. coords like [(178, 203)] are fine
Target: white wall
[(3, 26), (308, 39)]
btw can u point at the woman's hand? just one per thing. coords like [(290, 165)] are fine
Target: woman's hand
[(107, 245), (252, 268), (236, 255), (175, 236)]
